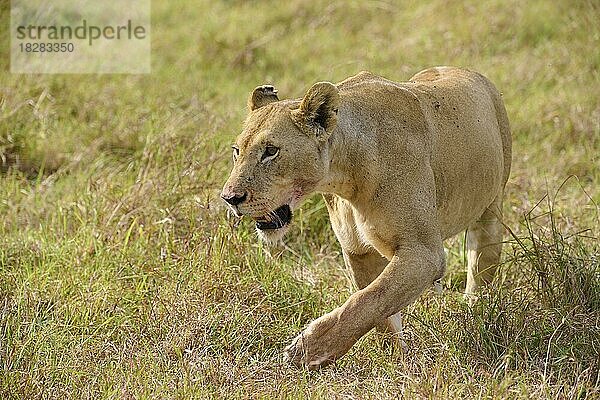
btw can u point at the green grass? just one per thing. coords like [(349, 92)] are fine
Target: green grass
[(121, 275)]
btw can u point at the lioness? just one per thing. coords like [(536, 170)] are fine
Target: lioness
[(402, 166)]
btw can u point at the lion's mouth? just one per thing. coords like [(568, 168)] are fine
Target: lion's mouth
[(275, 220)]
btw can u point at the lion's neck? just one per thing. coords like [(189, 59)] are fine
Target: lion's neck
[(346, 156)]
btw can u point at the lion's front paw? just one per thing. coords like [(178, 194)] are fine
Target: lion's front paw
[(321, 343), (299, 354)]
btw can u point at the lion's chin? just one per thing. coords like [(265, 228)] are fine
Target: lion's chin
[(272, 236), (272, 228)]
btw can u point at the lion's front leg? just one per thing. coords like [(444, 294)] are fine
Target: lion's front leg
[(324, 340), (330, 336), (401, 282)]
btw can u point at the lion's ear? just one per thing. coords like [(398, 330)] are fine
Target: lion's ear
[(261, 96), (317, 113)]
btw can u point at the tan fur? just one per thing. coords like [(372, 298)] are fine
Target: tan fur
[(402, 166)]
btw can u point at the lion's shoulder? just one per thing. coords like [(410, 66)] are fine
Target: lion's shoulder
[(364, 79)]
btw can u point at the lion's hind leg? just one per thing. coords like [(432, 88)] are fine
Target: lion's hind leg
[(394, 326), (484, 245)]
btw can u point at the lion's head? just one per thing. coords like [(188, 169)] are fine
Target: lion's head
[(281, 156)]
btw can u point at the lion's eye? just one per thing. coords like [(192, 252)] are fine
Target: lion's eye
[(236, 152), (270, 153)]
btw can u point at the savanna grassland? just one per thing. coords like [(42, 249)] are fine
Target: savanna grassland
[(121, 275)]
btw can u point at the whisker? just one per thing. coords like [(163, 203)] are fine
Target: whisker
[(276, 218)]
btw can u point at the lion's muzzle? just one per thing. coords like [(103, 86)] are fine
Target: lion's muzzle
[(276, 219)]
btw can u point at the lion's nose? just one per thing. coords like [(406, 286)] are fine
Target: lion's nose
[(235, 198)]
